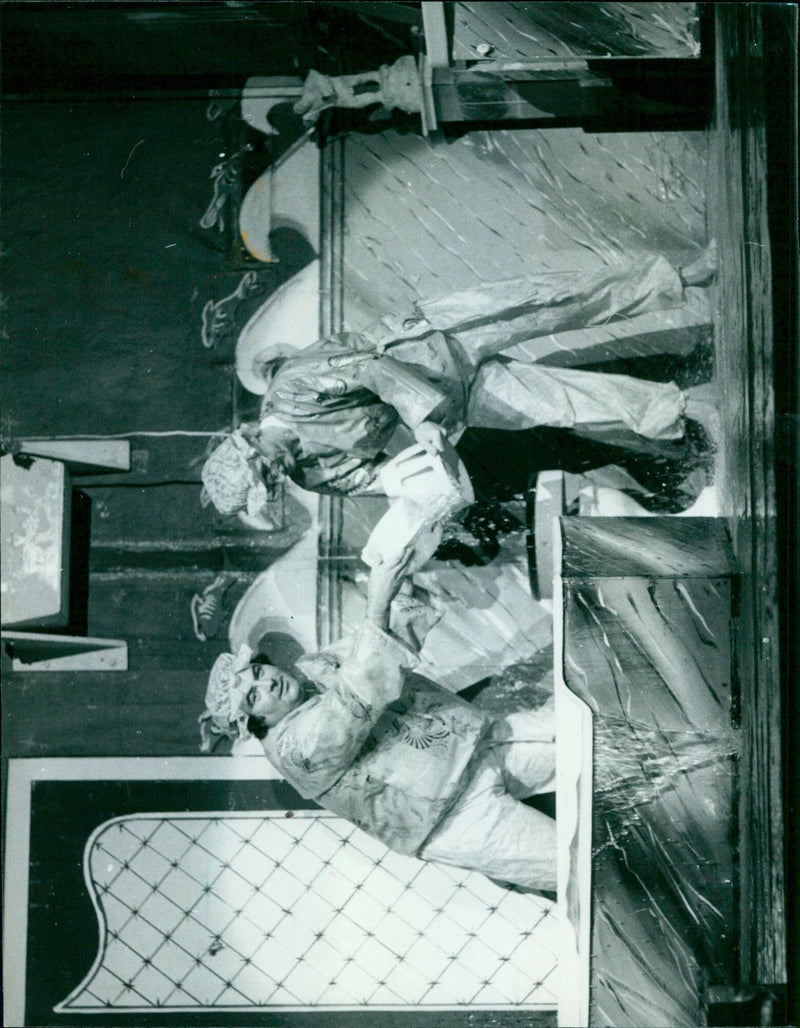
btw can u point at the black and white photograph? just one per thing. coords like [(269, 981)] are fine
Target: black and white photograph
[(399, 513)]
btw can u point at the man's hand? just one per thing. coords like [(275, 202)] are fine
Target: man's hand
[(430, 436), (384, 584)]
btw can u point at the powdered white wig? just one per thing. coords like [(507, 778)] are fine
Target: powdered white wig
[(233, 477), (222, 716)]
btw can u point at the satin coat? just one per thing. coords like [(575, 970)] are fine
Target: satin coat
[(380, 746)]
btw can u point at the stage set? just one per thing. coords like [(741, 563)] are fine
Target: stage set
[(444, 355)]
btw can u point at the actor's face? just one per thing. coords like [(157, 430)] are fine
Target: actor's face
[(268, 692), (277, 445), (279, 467)]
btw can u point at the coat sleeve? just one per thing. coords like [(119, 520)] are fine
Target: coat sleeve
[(316, 744), (336, 370), (414, 397)]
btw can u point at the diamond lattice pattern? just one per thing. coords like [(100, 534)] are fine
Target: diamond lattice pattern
[(290, 911)]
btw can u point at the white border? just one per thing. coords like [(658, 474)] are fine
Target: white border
[(574, 817)]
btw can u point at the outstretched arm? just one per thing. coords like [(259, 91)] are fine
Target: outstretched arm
[(414, 397), (385, 580)]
